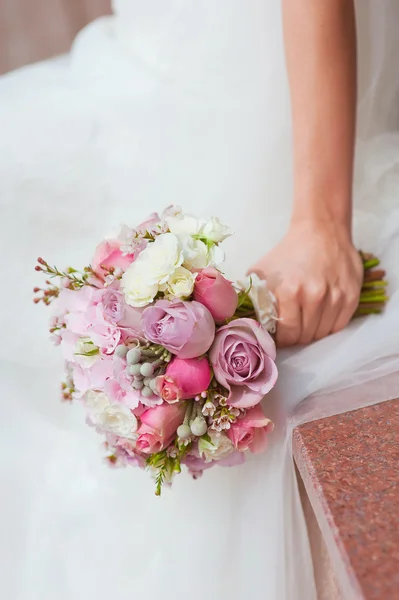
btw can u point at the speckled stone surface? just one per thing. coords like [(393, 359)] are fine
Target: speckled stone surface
[(349, 464)]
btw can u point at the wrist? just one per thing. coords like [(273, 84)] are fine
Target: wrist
[(324, 208)]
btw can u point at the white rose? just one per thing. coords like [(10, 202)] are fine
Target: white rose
[(263, 300), (138, 292), (160, 259), (86, 353), (221, 446), (116, 419), (180, 284), (181, 224), (215, 231), (195, 253)]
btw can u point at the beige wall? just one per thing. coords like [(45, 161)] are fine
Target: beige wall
[(31, 30)]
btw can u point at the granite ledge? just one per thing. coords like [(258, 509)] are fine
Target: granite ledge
[(349, 464)]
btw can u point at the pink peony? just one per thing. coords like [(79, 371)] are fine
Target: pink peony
[(186, 329), (190, 375), (158, 427), (216, 293), (242, 357), (108, 254), (250, 432)]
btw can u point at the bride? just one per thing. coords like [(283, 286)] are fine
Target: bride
[(245, 110)]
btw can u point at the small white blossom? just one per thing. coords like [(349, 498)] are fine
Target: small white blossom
[(215, 231), (221, 400), (221, 423), (208, 409), (181, 224)]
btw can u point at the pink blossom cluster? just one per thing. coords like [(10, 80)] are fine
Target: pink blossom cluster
[(164, 353)]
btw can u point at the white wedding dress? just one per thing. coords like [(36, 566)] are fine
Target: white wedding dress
[(184, 102)]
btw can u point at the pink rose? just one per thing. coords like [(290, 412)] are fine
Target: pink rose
[(115, 310), (113, 304), (191, 376), (167, 389), (158, 427), (216, 293), (186, 329), (250, 432), (109, 254), (242, 357)]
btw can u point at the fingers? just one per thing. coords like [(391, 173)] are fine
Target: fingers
[(312, 310), (348, 310), (313, 313), (290, 319), (330, 311)]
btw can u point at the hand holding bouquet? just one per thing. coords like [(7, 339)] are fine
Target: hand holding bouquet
[(169, 359)]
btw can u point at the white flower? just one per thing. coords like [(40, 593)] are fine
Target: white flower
[(116, 419), (172, 211), (181, 224), (160, 259), (86, 353), (263, 300), (180, 284), (138, 292), (96, 403), (215, 256), (221, 446), (195, 253), (215, 231)]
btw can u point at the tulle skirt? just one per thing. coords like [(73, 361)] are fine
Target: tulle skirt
[(182, 103)]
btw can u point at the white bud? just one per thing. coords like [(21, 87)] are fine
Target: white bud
[(135, 369), (121, 351), (133, 356), (184, 432), (146, 369), (199, 426), (146, 392)]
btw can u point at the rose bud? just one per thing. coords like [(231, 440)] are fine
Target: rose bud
[(216, 293), (158, 427), (251, 432), (191, 376)]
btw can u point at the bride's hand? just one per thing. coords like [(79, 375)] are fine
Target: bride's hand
[(316, 275)]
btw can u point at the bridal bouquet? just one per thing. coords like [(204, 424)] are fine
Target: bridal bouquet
[(169, 359)]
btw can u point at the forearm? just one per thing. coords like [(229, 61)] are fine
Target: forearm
[(320, 43)]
